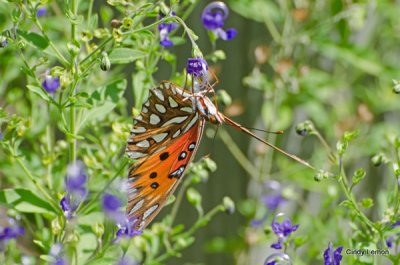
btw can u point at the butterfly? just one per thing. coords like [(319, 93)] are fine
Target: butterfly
[(163, 142)]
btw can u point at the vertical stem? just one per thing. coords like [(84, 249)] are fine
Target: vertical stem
[(72, 144), (49, 153)]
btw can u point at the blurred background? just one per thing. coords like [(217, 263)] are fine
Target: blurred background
[(333, 62)]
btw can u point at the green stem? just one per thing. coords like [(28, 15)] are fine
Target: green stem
[(236, 152), (49, 153), (350, 196)]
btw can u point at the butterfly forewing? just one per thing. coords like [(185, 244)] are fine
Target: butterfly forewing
[(163, 141)]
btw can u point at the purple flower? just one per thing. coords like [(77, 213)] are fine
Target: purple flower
[(126, 229), (282, 230), (165, 29), (126, 261), (197, 67), (390, 240), (282, 258), (11, 231), (111, 206), (332, 257), (51, 83), (272, 201), (75, 183), (56, 254), (395, 224), (41, 11), (213, 18)]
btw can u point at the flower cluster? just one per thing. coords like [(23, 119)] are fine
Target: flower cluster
[(111, 206), (75, 183), (196, 67), (331, 256), (213, 18), (165, 29), (282, 230)]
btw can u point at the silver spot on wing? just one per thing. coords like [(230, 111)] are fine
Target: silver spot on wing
[(172, 102), (149, 211), (159, 137), (154, 119), (160, 108), (137, 206), (178, 119), (143, 143)]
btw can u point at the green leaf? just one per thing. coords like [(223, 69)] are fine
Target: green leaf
[(125, 55), (34, 38), (40, 92), (104, 100), (25, 201), (348, 204)]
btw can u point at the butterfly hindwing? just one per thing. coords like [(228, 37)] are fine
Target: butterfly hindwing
[(163, 141)]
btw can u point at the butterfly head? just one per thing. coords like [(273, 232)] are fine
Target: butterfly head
[(208, 110)]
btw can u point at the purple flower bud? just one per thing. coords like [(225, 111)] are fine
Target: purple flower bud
[(75, 181), (11, 232), (196, 67), (51, 84), (56, 254), (332, 257), (41, 11), (111, 203), (389, 241), (213, 18), (273, 201)]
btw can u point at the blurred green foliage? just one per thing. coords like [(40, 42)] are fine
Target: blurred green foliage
[(326, 69)]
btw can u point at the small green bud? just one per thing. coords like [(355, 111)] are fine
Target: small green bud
[(117, 35), (16, 14), (101, 33), (193, 196), (367, 203), (86, 36), (321, 175), (359, 174), (105, 63), (73, 238), (73, 49), (210, 165), (127, 23), (377, 159), (341, 147), (229, 205), (56, 226), (396, 86), (305, 128), (98, 229)]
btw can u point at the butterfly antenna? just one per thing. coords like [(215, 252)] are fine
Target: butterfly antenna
[(260, 130), (245, 130)]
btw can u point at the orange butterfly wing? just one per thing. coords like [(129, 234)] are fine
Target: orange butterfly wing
[(164, 139)]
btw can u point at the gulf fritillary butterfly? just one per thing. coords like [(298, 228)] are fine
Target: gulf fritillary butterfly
[(163, 141)]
